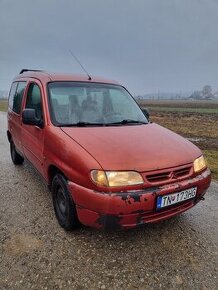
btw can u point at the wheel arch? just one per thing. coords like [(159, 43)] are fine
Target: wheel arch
[(52, 171), (9, 135)]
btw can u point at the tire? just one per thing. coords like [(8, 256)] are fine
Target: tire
[(16, 158), (64, 207)]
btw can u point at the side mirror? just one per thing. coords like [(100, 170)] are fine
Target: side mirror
[(29, 118), (146, 113)]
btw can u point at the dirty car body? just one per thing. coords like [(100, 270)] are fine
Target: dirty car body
[(107, 165)]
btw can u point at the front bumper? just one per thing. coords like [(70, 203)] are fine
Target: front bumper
[(133, 208)]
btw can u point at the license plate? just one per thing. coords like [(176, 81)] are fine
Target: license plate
[(170, 199)]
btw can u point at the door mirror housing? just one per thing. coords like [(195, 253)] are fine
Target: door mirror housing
[(146, 113), (29, 118)]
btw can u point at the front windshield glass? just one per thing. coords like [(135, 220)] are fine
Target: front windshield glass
[(73, 103)]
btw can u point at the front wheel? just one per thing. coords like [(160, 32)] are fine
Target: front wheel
[(16, 158), (64, 206)]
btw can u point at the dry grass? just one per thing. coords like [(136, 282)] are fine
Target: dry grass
[(3, 105), (212, 159), (188, 124)]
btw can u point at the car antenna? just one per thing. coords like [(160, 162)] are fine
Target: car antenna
[(73, 55)]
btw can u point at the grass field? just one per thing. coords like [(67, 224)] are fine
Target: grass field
[(181, 104), (201, 107), (185, 110), (197, 121), (3, 105)]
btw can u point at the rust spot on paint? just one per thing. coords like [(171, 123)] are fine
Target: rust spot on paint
[(109, 222)]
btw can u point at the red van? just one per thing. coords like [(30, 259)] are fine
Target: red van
[(105, 163)]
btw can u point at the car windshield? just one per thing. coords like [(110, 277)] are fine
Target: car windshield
[(92, 104)]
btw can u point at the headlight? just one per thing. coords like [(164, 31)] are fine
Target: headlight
[(99, 177), (116, 178), (199, 164)]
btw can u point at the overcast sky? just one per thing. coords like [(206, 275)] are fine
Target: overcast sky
[(147, 45)]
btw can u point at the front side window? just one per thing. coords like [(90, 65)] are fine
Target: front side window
[(34, 100), (16, 96), (73, 103)]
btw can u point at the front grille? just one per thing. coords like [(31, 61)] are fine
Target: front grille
[(182, 172), (168, 175), (158, 177)]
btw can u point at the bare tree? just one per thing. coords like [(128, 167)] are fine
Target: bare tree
[(207, 91)]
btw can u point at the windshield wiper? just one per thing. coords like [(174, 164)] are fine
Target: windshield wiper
[(86, 124), (81, 124), (127, 121)]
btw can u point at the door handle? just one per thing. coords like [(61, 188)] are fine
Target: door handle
[(37, 127)]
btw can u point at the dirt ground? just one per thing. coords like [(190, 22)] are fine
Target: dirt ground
[(35, 253), (202, 128)]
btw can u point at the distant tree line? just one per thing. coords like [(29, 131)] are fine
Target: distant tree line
[(205, 94)]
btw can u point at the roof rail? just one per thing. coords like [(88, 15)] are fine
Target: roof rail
[(26, 70)]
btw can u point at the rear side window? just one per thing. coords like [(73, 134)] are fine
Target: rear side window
[(16, 96), (12, 94)]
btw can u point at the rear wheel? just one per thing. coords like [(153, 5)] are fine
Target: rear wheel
[(16, 157), (64, 206)]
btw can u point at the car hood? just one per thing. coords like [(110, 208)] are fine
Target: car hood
[(136, 147)]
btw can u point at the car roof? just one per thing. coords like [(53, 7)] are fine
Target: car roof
[(50, 77)]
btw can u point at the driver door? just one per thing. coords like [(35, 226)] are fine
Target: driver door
[(33, 136)]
